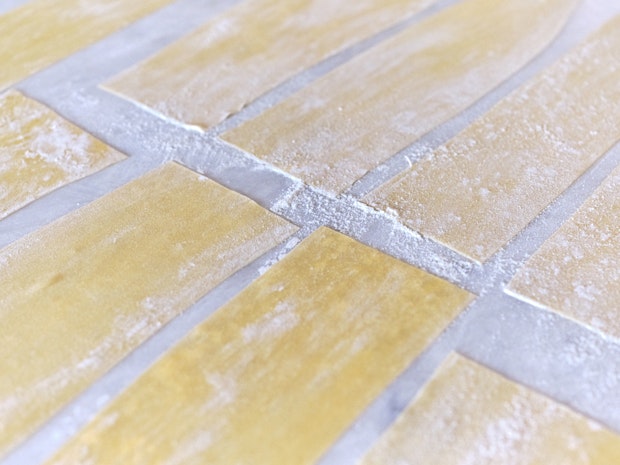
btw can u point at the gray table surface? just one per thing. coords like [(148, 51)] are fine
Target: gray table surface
[(535, 347)]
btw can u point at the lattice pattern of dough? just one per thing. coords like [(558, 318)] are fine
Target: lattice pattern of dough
[(276, 375), (81, 293)]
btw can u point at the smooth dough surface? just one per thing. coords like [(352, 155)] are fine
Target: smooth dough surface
[(484, 186), (40, 151), (346, 123), (79, 294), (470, 415), (42, 32), (221, 67), (275, 376), (577, 271)]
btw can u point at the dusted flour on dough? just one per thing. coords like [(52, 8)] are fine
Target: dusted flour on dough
[(275, 376), (40, 151), (577, 271), (42, 32), (483, 187), (469, 415), (81, 293), (258, 44), (345, 124)]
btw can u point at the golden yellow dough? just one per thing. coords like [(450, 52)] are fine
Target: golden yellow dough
[(484, 186), (79, 294), (470, 415), (42, 32), (275, 376), (343, 125), (224, 65), (577, 271), (219, 68), (40, 151)]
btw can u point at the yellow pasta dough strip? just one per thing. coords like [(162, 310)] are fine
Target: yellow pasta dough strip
[(79, 294), (484, 186), (343, 125), (42, 32), (224, 65), (468, 414), (40, 151), (276, 375), (577, 271)]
